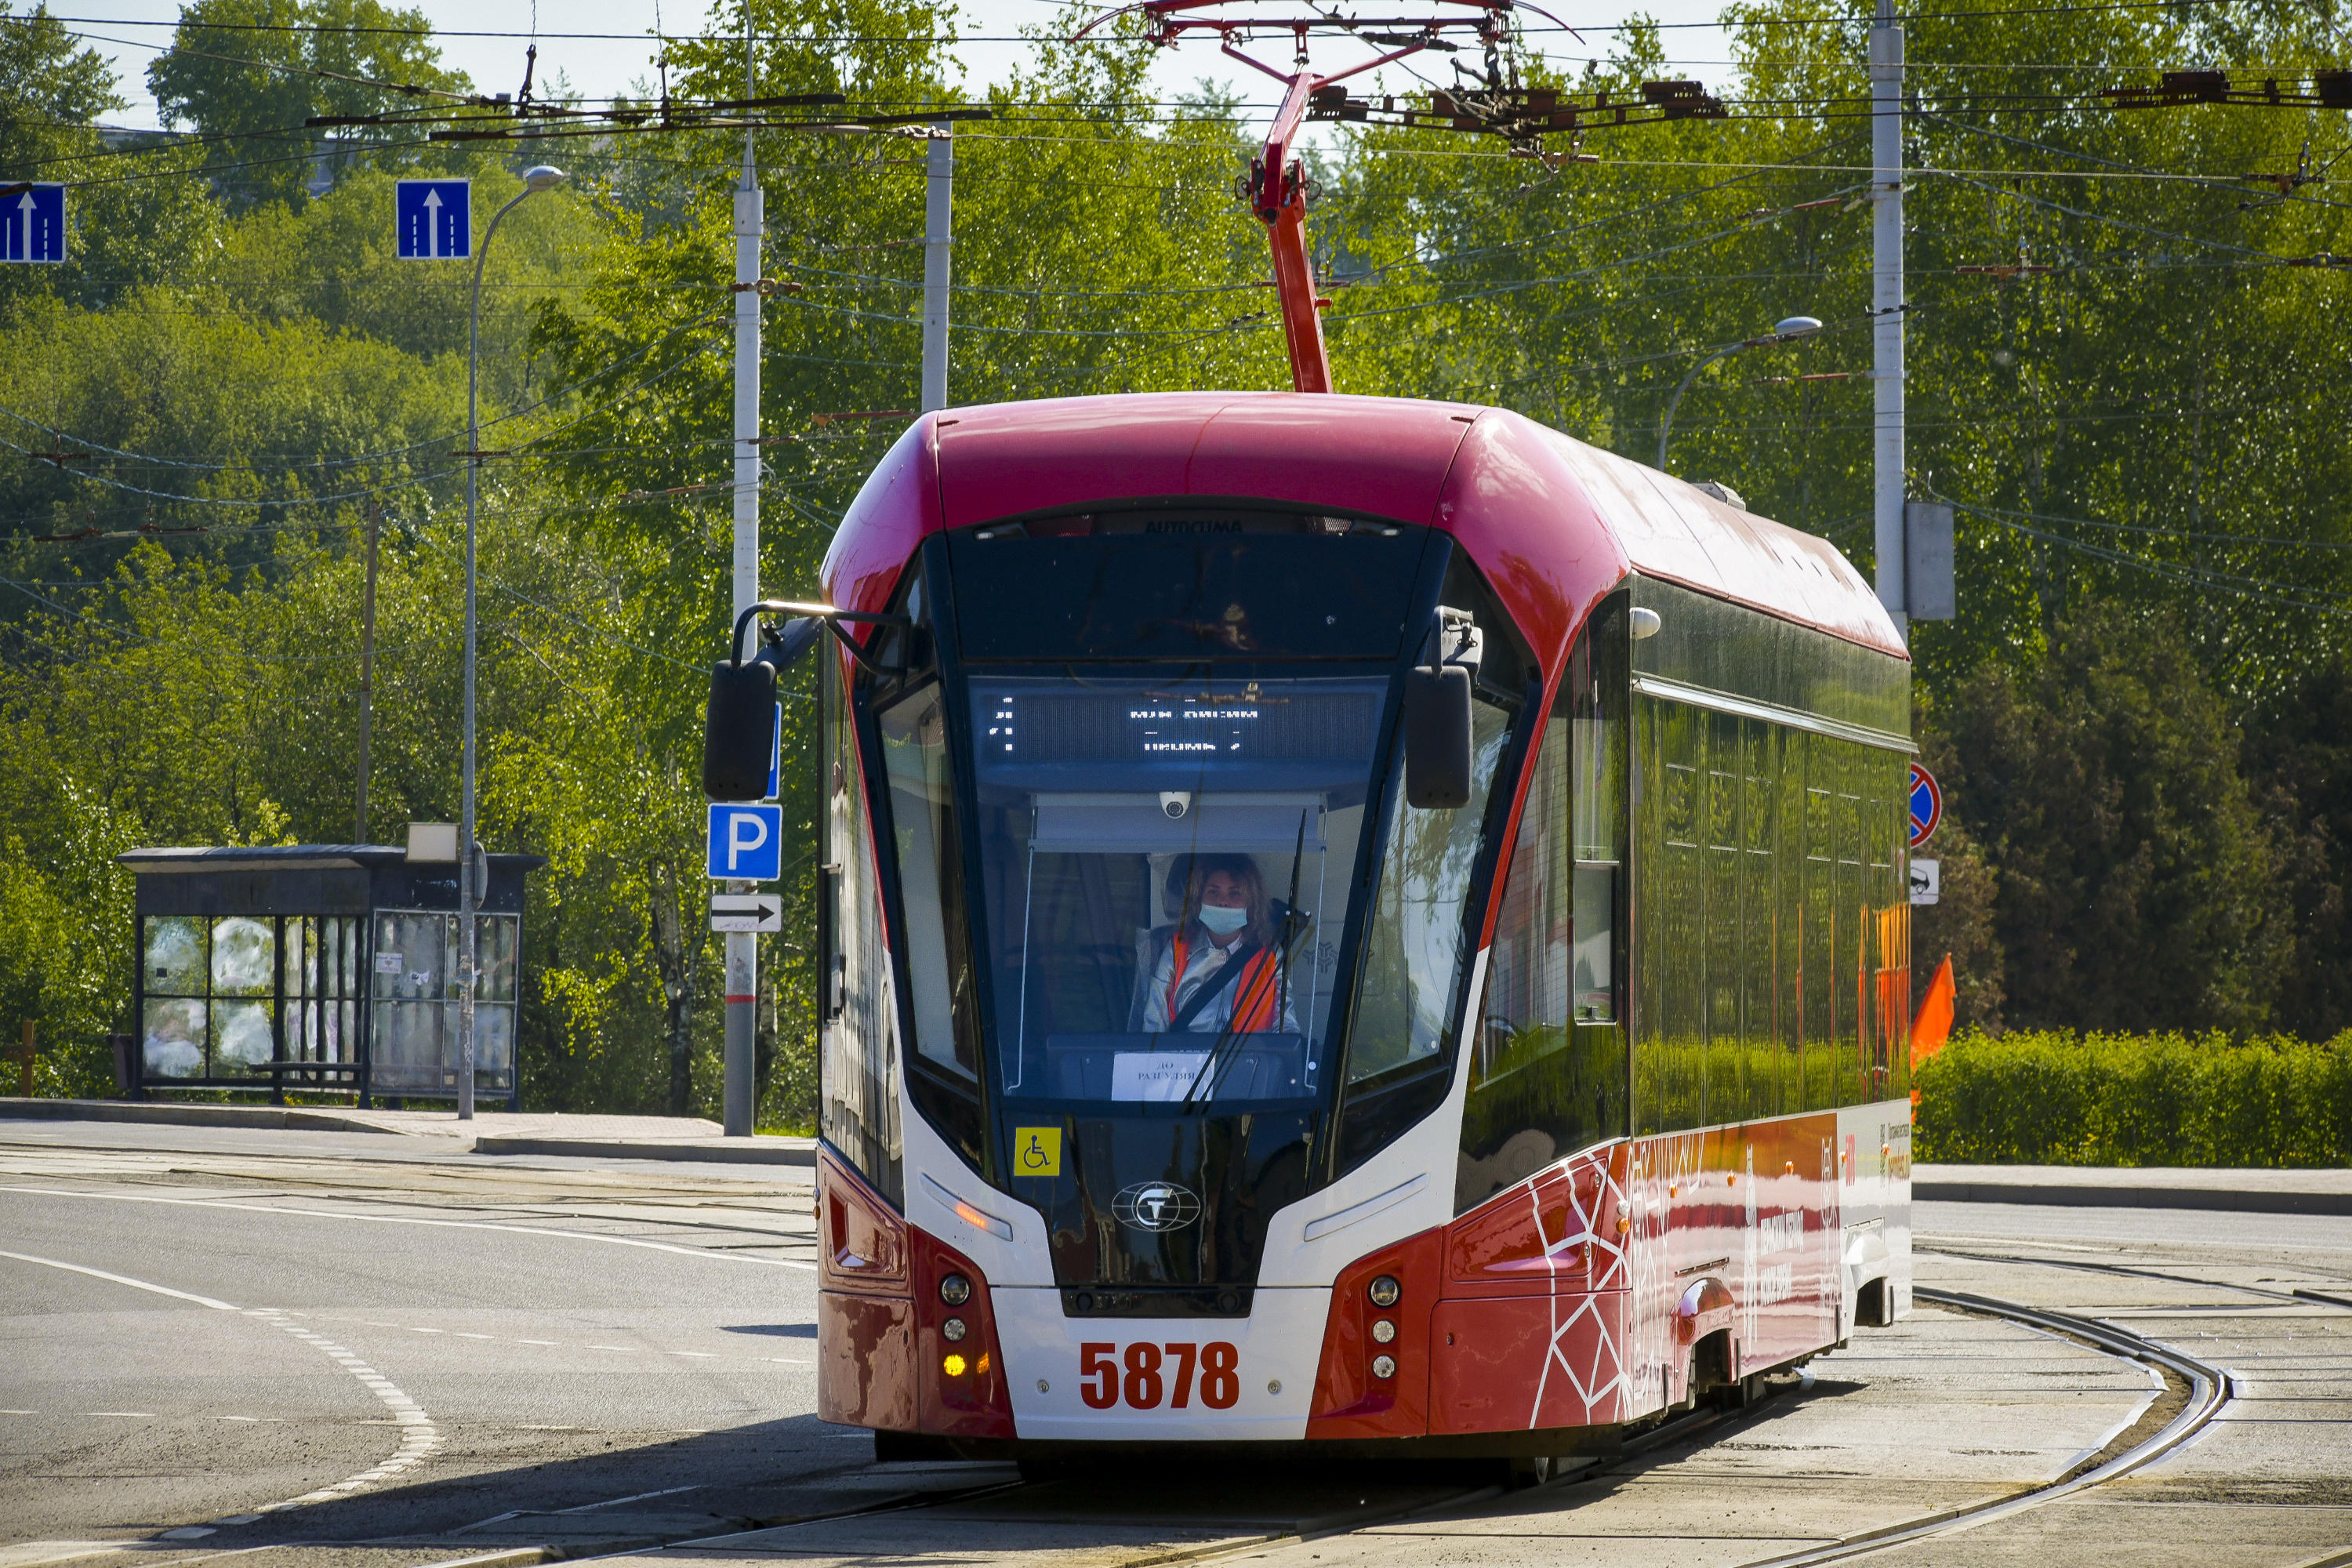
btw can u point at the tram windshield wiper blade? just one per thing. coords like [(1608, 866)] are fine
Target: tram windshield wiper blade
[(1228, 1041)]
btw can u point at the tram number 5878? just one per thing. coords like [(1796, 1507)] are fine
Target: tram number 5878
[(1147, 1374)]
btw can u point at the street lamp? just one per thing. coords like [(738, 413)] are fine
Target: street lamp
[(473, 876), (1792, 327)]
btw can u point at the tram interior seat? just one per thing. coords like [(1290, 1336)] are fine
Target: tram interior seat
[(1263, 1067)]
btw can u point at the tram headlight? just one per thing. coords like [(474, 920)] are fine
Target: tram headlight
[(954, 1330), (1384, 1366), (1385, 1291), (955, 1290), (1383, 1329), (952, 1365)]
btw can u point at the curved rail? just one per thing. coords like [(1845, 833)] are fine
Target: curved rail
[(2209, 1391)]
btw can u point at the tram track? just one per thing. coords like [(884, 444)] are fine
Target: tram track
[(2209, 1391), (2202, 1391)]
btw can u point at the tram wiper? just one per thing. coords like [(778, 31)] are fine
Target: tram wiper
[(1286, 948)]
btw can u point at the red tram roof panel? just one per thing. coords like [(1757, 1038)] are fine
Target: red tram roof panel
[(1552, 521)]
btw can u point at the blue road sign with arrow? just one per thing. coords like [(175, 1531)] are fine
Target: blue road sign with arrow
[(33, 225), (435, 219)]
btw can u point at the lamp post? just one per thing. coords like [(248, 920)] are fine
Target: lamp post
[(473, 875), (1792, 327)]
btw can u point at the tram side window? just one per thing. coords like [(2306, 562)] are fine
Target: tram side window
[(859, 1043), (1774, 922), (922, 828), (1597, 697), (1548, 1072)]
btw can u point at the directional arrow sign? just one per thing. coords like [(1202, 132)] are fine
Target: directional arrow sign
[(435, 219), (33, 225), (762, 913)]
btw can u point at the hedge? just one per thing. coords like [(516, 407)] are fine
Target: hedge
[(2058, 1098)]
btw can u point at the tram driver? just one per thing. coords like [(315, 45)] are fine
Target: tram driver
[(1218, 967)]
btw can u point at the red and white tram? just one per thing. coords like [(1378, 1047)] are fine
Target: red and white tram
[(1348, 921)]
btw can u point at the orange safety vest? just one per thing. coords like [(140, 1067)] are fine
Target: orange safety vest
[(1260, 977)]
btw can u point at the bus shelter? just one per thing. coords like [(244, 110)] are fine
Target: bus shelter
[(320, 967)]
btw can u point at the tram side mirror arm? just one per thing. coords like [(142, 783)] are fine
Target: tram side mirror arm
[(1437, 733), (739, 724)]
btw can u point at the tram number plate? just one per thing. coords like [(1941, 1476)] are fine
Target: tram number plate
[(1147, 1375)]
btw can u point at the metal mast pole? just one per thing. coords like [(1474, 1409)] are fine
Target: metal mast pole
[(938, 237), (367, 670), (535, 180), (1888, 305), (743, 947)]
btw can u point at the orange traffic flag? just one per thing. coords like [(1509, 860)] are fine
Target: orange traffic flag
[(1933, 1026)]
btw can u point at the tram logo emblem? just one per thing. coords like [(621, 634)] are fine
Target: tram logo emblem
[(1156, 1205)]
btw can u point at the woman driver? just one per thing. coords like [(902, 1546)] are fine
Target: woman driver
[(1225, 922)]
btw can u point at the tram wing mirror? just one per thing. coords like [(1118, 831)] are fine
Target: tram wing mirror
[(739, 730), (739, 724), (1437, 762), (1437, 738)]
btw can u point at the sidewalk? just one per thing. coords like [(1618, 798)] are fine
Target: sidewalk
[(2319, 1192), (490, 1133)]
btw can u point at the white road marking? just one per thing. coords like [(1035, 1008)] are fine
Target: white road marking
[(122, 1279), (408, 1219), (418, 1436), (632, 1497), (33, 1554)]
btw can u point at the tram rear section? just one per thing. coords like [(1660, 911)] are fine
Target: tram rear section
[(1346, 921)]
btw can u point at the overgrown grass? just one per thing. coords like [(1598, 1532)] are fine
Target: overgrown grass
[(2061, 1099)]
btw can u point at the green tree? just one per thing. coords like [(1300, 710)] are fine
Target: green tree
[(249, 74), (2139, 886)]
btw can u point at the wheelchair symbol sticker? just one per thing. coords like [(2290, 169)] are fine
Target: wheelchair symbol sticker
[(1036, 1150)]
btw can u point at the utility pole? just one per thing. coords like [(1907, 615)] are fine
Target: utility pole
[(938, 237), (1887, 306), (743, 947), (367, 668)]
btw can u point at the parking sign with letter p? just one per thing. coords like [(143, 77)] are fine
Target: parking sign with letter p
[(745, 843)]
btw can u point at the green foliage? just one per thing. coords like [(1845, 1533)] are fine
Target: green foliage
[(2186, 1100), (247, 74), (125, 226), (2139, 884), (2140, 718)]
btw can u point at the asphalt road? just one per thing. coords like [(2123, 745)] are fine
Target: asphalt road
[(311, 1351)]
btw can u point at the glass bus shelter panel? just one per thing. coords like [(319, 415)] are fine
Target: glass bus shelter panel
[(414, 1003), (1118, 818), (324, 990), (244, 981), (235, 997), (176, 953)]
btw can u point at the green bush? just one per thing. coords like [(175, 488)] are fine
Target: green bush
[(2058, 1098)]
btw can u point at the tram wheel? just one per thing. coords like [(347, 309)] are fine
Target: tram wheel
[(1524, 1470)]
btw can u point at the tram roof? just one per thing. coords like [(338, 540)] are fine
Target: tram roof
[(1552, 521)]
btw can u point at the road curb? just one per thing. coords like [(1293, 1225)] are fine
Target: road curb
[(2237, 1200), (273, 1118), (714, 1150)]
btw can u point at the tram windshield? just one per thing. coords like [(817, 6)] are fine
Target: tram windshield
[(1166, 865)]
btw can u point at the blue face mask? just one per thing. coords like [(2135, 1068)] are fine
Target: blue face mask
[(1222, 920)]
